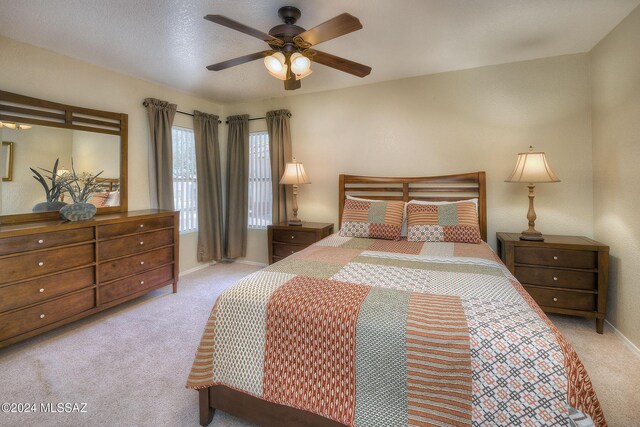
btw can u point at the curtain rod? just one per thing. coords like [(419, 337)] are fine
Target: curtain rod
[(260, 118), (145, 104)]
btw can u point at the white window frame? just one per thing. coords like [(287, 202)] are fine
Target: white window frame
[(185, 189), (260, 196)]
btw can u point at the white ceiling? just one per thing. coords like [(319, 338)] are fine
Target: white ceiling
[(167, 41)]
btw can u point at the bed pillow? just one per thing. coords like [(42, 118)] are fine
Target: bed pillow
[(374, 219), (443, 222), (99, 199)]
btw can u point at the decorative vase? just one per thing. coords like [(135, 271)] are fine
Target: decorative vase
[(78, 211), (48, 206)]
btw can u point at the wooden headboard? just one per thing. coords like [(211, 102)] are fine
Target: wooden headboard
[(448, 188)]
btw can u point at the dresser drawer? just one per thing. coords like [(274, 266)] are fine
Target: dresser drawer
[(11, 245), (46, 313), (137, 283), (556, 277), (282, 250), (294, 236), (556, 257), (134, 244), (38, 290), (36, 264), (134, 226), (563, 299), (111, 270)]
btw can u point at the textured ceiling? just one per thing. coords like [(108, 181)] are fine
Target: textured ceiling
[(168, 41)]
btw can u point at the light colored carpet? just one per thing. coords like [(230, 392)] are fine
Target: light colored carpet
[(130, 364)]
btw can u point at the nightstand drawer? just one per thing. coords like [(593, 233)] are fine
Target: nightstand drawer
[(563, 299), (556, 277), (282, 250), (556, 257), (294, 236)]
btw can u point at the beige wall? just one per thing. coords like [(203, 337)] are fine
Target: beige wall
[(615, 77), (446, 123), (32, 71)]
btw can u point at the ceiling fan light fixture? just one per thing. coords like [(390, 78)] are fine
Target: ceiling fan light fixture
[(276, 63), (300, 64), (303, 75)]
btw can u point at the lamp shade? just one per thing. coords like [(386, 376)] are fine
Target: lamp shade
[(294, 173), (532, 167)]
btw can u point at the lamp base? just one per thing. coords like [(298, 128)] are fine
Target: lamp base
[(295, 221), (533, 237)]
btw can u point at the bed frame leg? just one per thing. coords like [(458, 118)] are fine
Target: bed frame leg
[(206, 411)]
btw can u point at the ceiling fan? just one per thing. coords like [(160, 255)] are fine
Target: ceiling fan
[(290, 56)]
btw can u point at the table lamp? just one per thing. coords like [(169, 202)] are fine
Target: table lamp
[(532, 168), (295, 175)]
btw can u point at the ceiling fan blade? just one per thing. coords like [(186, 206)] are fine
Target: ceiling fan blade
[(235, 25), (335, 27), (341, 64), (237, 61)]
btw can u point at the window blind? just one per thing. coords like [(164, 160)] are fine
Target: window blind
[(260, 194), (185, 186)]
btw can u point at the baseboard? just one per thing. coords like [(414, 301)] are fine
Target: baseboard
[(196, 268), (258, 264), (631, 346)]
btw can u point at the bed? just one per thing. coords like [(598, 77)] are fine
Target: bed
[(370, 332)]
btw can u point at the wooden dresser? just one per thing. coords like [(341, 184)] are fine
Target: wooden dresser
[(285, 239), (563, 274), (55, 272)]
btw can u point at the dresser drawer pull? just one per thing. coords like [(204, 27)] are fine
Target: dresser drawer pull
[(142, 282), (555, 258), (41, 241), (555, 279), (141, 262), (41, 290), (293, 237), (40, 264), (141, 243), (555, 299), (293, 252), (42, 316)]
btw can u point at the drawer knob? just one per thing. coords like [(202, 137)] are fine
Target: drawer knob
[(141, 262), (41, 290), (142, 282), (42, 316), (555, 299), (555, 258), (293, 237), (41, 241), (292, 252), (40, 264), (141, 225), (141, 243), (555, 279)]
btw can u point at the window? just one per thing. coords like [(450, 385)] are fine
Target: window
[(260, 194), (185, 182)]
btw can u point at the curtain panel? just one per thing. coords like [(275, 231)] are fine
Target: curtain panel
[(237, 214), (210, 229), (280, 153), (160, 115)]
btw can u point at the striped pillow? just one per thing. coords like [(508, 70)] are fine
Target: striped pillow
[(372, 218), (449, 222)]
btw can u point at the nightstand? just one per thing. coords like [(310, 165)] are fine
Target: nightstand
[(563, 274), (285, 239)]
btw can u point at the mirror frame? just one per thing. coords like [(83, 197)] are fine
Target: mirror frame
[(25, 109)]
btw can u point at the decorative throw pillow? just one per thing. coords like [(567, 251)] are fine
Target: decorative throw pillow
[(372, 218), (449, 222), (99, 199)]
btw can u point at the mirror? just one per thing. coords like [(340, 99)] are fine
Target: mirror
[(36, 132), (39, 147)]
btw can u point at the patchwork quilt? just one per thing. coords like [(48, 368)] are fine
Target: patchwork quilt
[(371, 332)]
